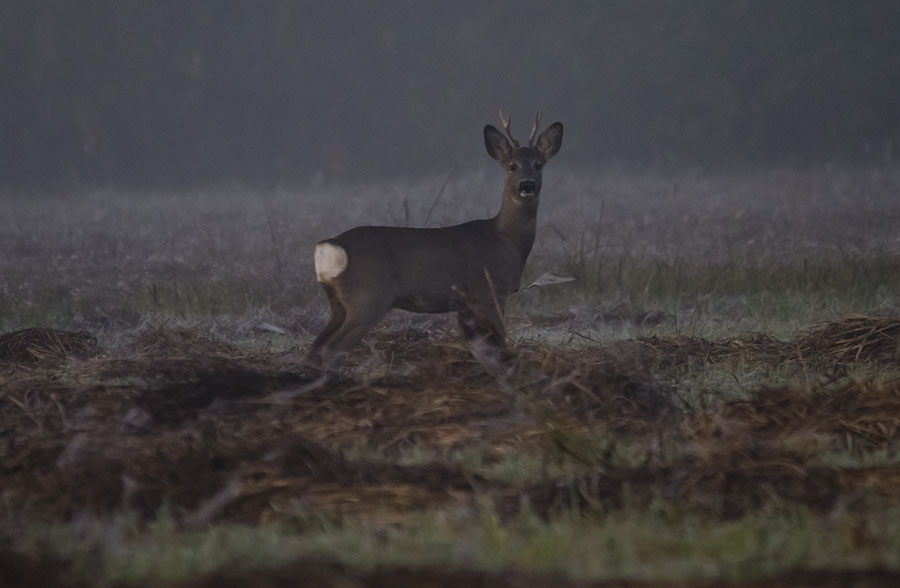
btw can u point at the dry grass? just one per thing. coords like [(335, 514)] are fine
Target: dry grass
[(41, 345), (851, 340), (221, 433)]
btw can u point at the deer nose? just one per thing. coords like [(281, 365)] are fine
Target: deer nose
[(527, 187)]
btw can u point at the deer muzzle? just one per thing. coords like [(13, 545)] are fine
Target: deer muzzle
[(527, 188)]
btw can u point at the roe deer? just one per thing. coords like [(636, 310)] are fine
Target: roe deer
[(470, 268)]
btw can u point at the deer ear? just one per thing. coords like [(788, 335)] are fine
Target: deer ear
[(496, 143), (550, 140)]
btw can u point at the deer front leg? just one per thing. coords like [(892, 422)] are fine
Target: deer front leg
[(482, 328), (482, 320)]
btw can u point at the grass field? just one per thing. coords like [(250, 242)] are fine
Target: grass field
[(714, 400)]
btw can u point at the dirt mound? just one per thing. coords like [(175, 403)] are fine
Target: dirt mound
[(202, 479), (223, 433), (852, 414), (725, 485), (835, 345), (682, 350), (167, 341), (219, 432), (854, 339), (29, 347)]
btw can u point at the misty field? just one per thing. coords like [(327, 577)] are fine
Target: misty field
[(715, 398)]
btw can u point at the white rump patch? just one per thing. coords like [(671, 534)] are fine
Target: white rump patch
[(331, 261)]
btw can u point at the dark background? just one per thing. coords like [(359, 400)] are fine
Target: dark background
[(180, 92)]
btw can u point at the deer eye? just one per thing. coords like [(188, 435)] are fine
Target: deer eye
[(513, 166), (538, 165)]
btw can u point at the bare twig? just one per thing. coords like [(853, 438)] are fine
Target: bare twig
[(279, 277), (438, 197)]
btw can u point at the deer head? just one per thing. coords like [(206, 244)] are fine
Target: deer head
[(523, 165)]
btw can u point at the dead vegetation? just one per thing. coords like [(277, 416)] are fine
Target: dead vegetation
[(851, 340), (215, 432), (35, 346), (221, 433), (218, 432), (850, 414)]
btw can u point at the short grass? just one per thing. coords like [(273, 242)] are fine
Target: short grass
[(659, 542)]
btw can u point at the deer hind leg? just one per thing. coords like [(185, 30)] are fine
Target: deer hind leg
[(362, 313), (337, 318)]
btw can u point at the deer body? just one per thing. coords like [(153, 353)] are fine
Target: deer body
[(470, 268)]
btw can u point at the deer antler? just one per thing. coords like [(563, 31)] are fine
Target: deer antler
[(506, 120), (534, 129)]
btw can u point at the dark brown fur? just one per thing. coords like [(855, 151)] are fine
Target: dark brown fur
[(470, 268)]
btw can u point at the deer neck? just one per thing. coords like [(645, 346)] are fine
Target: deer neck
[(516, 224)]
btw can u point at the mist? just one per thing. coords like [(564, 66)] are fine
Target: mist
[(186, 93), (260, 326)]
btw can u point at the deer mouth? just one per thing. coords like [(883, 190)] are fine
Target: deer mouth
[(528, 189)]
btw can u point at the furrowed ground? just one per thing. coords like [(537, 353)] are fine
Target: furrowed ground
[(714, 400)]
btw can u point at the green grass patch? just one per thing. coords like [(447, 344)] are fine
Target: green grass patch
[(659, 542)]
